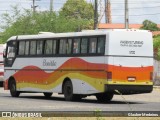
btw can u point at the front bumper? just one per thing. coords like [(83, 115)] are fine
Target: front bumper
[(128, 89)]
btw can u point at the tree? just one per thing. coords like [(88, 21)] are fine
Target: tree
[(156, 45), (8, 20), (149, 25), (22, 23), (78, 9)]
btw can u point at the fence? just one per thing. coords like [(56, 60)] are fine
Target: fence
[(156, 74)]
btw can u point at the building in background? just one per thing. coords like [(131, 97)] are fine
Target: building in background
[(122, 26)]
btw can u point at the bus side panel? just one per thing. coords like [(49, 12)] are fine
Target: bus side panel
[(86, 73), (90, 75)]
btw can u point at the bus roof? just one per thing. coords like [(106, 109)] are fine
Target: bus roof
[(70, 34)]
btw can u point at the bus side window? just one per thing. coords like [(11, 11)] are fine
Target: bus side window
[(69, 46), (93, 45), (84, 45), (27, 48), (101, 44), (76, 46), (11, 52), (21, 49), (39, 47), (54, 46), (48, 47), (32, 47), (63, 46)]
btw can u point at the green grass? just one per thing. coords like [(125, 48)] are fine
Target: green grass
[(85, 118)]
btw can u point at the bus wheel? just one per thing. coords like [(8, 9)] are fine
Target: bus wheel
[(47, 95), (68, 91), (13, 89), (104, 97)]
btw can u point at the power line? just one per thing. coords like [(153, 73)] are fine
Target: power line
[(139, 8), (44, 2), (111, 15), (140, 14), (120, 9), (63, 1)]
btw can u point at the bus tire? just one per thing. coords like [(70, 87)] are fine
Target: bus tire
[(47, 95), (104, 97), (68, 91), (13, 89)]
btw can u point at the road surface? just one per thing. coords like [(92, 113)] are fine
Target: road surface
[(37, 102)]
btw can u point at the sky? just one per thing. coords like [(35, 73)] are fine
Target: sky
[(139, 10)]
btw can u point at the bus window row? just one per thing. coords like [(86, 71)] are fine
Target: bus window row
[(63, 46)]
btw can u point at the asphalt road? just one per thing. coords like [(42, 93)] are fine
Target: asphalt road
[(37, 102)]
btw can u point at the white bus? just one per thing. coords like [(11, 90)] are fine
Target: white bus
[(2, 47), (96, 62)]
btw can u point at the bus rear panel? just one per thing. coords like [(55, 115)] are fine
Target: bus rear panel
[(130, 61)]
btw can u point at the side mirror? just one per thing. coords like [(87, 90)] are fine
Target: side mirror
[(4, 53)]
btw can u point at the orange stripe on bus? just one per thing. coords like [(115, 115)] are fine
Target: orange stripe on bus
[(32, 74)]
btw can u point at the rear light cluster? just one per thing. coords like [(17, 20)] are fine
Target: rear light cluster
[(1, 73), (109, 76), (151, 76)]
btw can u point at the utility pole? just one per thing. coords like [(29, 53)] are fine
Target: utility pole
[(51, 5), (108, 18), (34, 7), (105, 6), (95, 15), (126, 15)]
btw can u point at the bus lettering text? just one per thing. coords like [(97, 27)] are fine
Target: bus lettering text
[(49, 63), (131, 52)]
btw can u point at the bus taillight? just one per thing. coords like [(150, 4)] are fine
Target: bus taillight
[(1, 73), (151, 76), (109, 76)]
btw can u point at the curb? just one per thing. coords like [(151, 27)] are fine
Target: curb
[(156, 87)]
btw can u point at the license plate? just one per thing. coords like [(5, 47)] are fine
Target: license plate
[(131, 78)]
